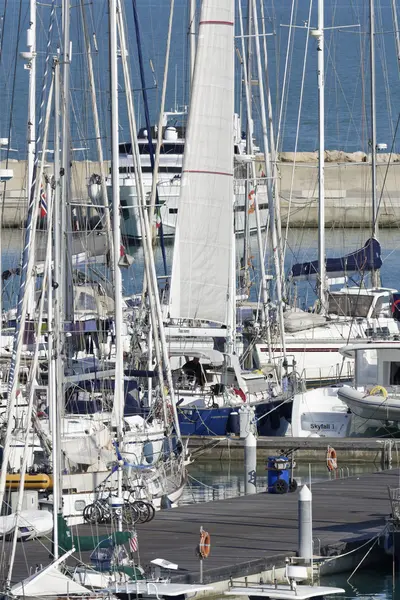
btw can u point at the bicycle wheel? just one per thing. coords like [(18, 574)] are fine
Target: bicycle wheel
[(130, 514), (152, 511), (92, 514), (143, 511)]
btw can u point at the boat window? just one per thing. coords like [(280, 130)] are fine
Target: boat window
[(86, 302), (169, 169), (242, 208), (378, 308), (366, 367), (165, 148), (145, 149), (349, 305), (395, 373)]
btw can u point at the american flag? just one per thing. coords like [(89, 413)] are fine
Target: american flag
[(133, 542), (43, 202)]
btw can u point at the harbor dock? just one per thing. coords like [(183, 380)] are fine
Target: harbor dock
[(252, 534)]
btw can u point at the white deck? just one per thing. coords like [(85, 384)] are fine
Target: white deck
[(159, 588), (301, 592)]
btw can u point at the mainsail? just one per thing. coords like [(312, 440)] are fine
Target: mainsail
[(366, 259), (202, 263)]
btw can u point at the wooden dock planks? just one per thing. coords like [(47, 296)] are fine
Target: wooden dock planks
[(251, 532)]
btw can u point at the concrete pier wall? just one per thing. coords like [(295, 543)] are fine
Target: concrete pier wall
[(347, 188)]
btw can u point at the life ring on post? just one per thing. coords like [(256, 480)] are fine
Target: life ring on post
[(331, 459), (204, 544), (378, 390)]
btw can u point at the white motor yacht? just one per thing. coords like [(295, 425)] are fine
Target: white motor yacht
[(375, 395), (169, 180)]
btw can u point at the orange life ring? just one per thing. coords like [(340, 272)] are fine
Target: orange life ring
[(205, 544), (331, 459)]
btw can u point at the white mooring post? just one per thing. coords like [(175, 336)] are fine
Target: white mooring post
[(247, 432), (305, 525)]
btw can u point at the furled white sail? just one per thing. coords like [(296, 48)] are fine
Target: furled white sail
[(202, 263)]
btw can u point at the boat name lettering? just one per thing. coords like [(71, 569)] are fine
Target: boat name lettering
[(320, 426)]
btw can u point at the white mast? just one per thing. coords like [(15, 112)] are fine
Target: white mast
[(319, 35), (396, 32), (31, 66), (31, 388), (56, 366), (99, 146), (24, 310), (65, 283), (31, 131), (268, 172), (375, 279), (31, 43), (154, 182), (119, 374), (160, 344), (250, 171)]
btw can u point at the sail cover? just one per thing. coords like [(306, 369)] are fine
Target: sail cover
[(49, 582), (367, 258), (201, 269)]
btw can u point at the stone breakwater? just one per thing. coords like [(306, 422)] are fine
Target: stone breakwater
[(347, 188)]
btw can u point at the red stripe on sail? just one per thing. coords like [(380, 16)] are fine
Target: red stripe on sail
[(208, 172), (216, 23)]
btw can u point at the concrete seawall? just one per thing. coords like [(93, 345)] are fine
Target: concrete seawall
[(347, 189)]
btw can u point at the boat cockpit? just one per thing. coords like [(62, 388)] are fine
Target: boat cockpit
[(376, 364)]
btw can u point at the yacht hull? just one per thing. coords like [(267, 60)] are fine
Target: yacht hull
[(221, 421), (320, 413), (168, 194)]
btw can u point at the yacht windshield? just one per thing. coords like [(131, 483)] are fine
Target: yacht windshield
[(366, 367), (349, 305)]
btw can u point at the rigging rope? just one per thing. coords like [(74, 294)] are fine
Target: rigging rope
[(148, 123), (10, 124)]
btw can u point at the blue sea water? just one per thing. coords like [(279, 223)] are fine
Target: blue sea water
[(302, 247), (347, 82)]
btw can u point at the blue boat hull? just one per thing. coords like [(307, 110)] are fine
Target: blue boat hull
[(223, 421)]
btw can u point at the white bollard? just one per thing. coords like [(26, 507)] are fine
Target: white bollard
[(305, 525), (247, 431)]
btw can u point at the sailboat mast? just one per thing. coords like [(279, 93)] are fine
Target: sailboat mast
[(396, 32), (319, 35), (96, 122), (31, 130), (249, 137), (119, 375), (31, 43), (56, 367), (271, 206), (160, 343), (375, 224), (192, 35), (66, 283)]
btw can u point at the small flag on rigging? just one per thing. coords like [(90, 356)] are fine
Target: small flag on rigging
[(133, 542), (43, 202)]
